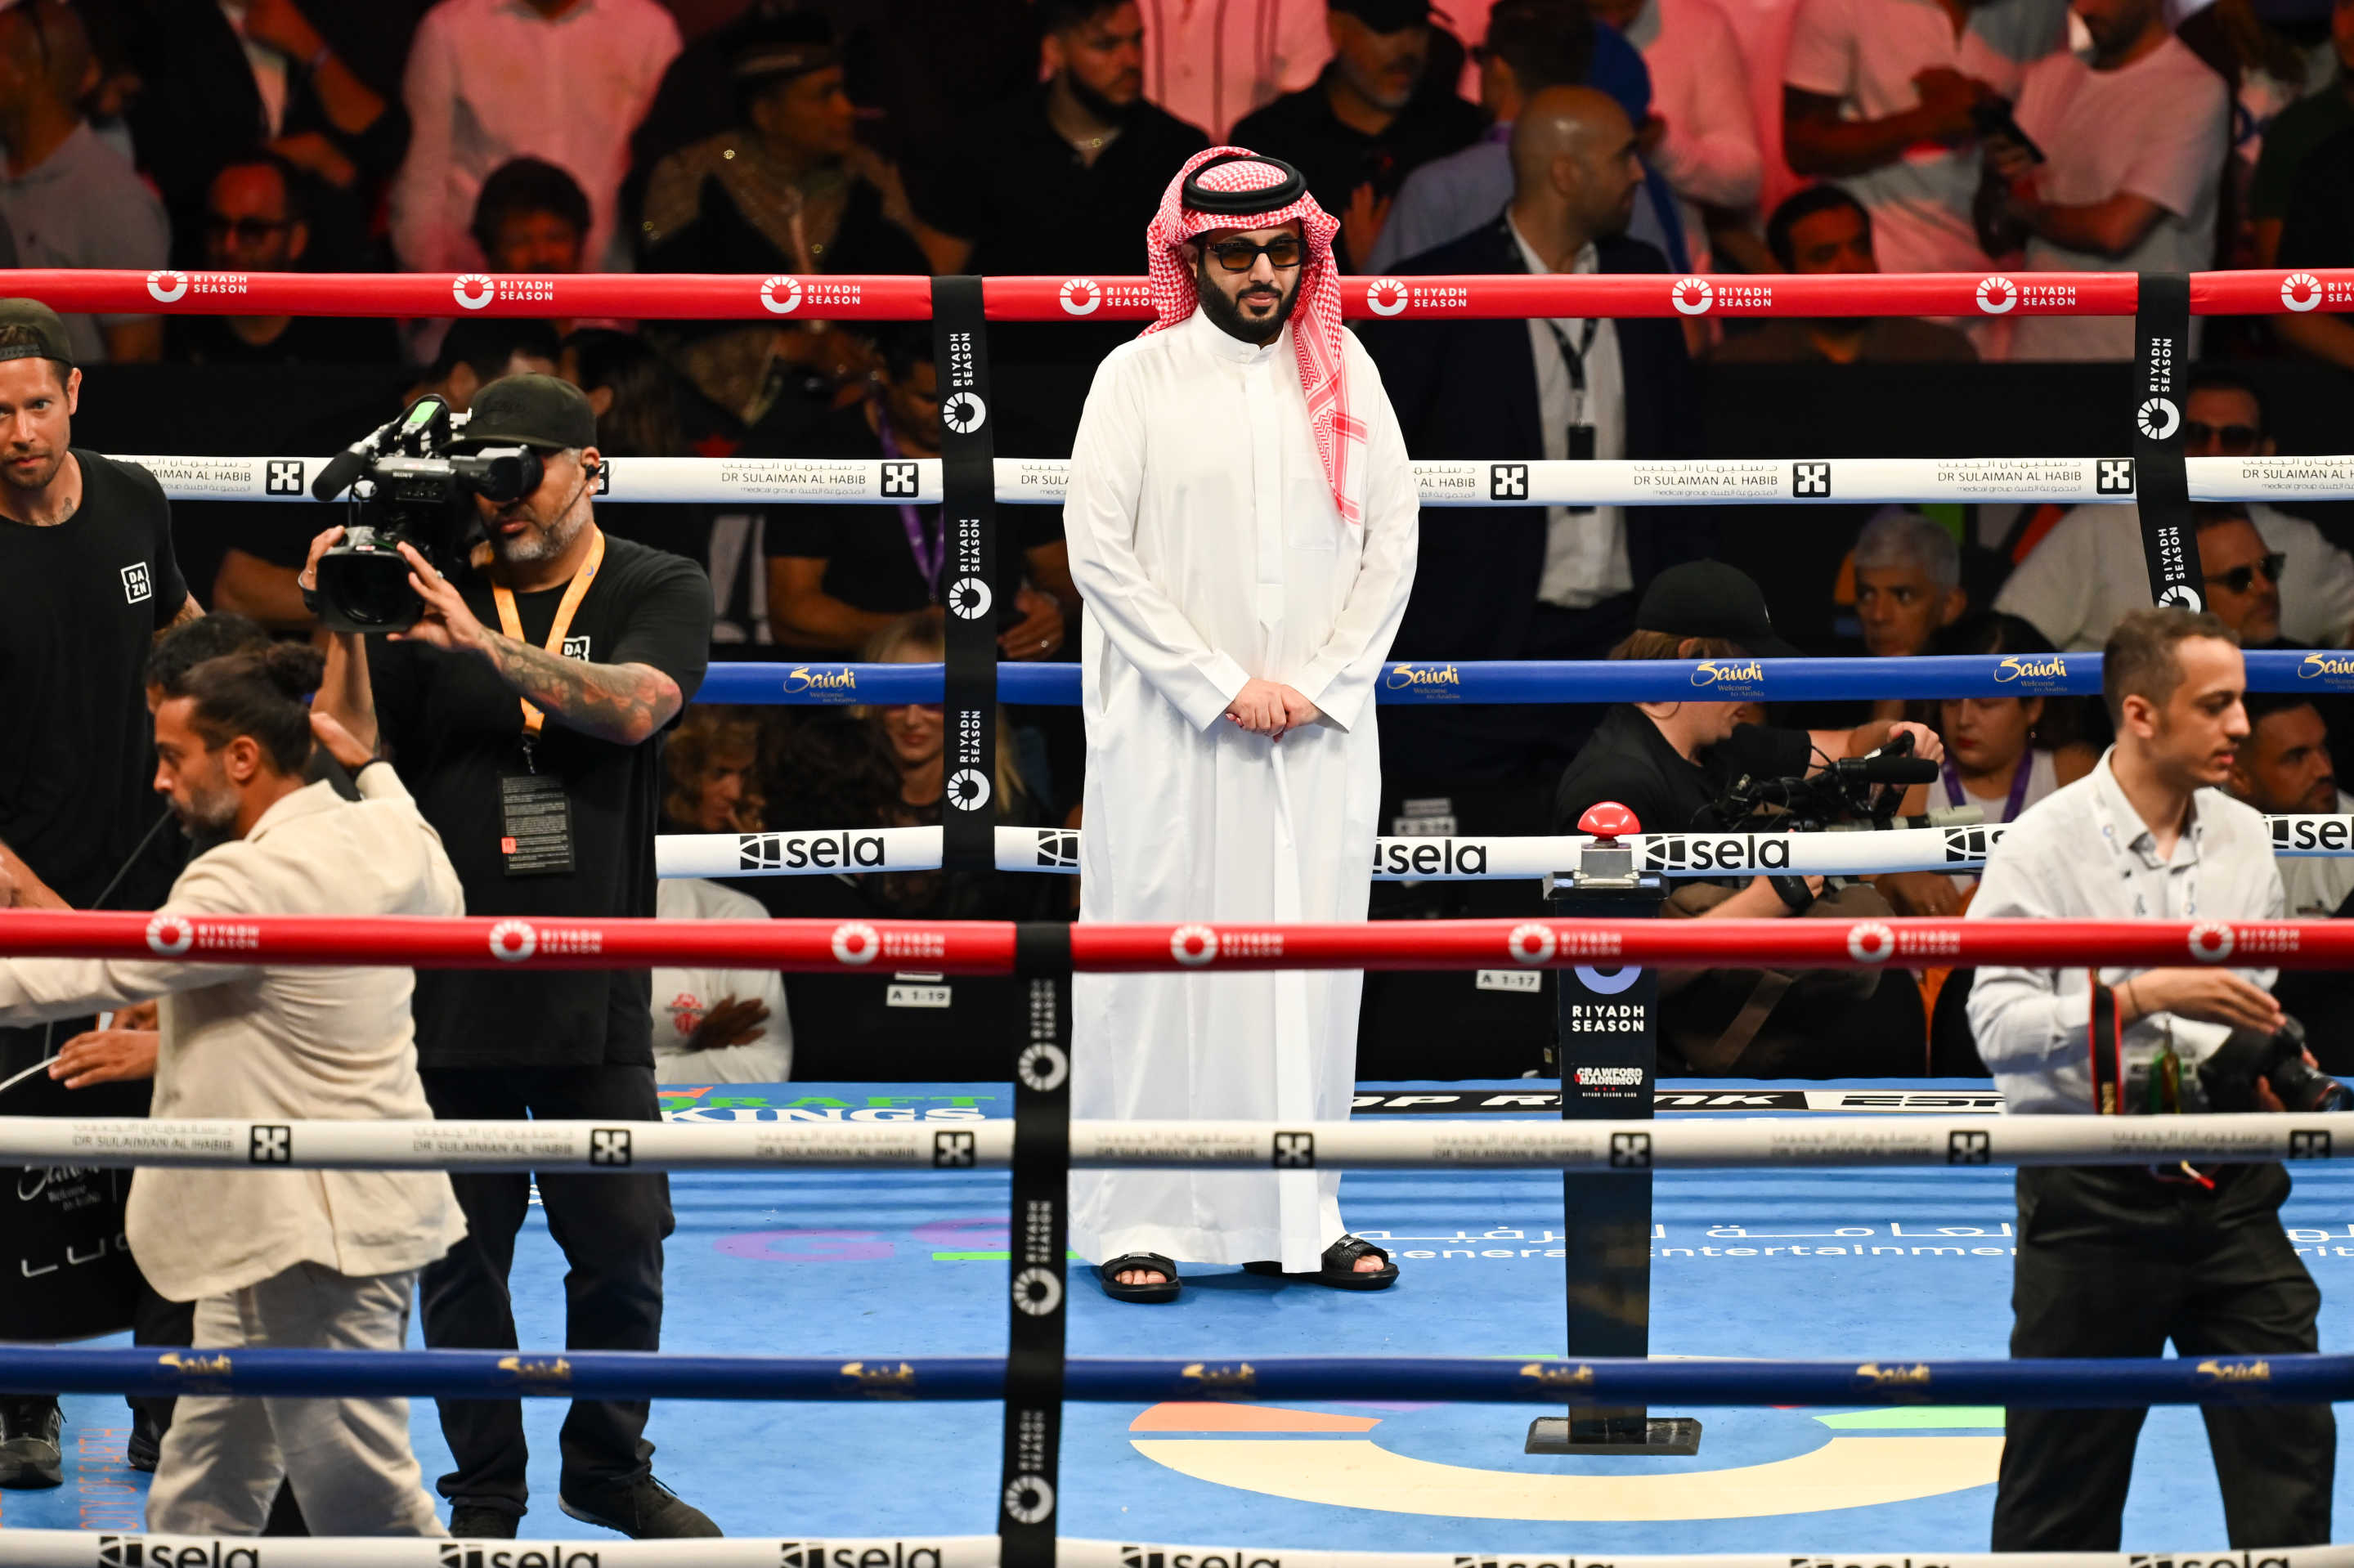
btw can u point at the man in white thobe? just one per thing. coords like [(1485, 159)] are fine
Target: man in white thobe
[(1241, 521)]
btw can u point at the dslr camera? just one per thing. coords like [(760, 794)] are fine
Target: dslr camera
[(2158, 1082), (407, 488)]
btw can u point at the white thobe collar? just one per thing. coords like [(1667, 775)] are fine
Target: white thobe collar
[(1225, 345)]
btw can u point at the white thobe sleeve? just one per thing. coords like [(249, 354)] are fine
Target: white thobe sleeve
[(1341, 678), (1099, 516), (34, 991)]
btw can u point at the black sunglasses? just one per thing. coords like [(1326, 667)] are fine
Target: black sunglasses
[(2239, 580), (1283, 252), (2231, 437)]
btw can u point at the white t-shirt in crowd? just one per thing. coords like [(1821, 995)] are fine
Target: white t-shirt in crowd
[(1865, 53), (1210, 65), (1710, 153), (683, 996), (2155, 128), (2088, 571)]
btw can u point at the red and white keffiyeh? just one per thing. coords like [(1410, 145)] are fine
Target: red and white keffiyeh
[(1315, 318)]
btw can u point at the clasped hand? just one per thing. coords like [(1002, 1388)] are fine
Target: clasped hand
[(1271, 708)]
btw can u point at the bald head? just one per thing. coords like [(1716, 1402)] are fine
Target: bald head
[(1574, 171)]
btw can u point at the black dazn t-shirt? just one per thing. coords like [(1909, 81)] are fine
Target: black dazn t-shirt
[(80, 606), (455, 727)]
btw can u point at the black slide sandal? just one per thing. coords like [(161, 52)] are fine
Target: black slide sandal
[(1127, 1262), (1339, 1266)]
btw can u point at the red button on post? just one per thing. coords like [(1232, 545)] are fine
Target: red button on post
[(1608, 822)]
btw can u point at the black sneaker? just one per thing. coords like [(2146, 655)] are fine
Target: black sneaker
[(146, 1444), (644, 1510), (471, 1521), (29, 1456)]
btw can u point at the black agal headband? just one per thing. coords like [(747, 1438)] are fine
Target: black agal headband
[(1199, 197)]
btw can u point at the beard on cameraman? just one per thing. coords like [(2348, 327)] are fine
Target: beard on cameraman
[(1670, 764), (2117, 1260)]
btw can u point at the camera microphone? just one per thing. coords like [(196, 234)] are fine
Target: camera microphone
[(1905, 770)]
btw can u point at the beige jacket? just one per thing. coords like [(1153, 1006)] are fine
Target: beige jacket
[(292, 1043)]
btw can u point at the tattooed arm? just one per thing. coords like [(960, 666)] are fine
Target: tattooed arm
[(624, 703), (189, 610)]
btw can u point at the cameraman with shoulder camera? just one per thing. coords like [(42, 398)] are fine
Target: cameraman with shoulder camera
[(1672, 764), (2116, 1260), (526, 707)]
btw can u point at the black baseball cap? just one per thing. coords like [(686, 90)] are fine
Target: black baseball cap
[(49, 333), (1709, 599), (544, 411), (1386, 16)]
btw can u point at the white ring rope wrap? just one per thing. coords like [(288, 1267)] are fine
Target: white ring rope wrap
[(1460, 482), (894, 1137), (1958, 849)]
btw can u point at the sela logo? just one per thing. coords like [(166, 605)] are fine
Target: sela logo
[(604, 475), (137, 587), (1965, 846), (1058, 850), (474, 1554), (2299, 291), (165, 288), (810, 852), (952, 1151), (969, 598), (1295, 1150), (472, 290), (1507, 482), (1037, 1292), (2212, 941), (1810, 479), (133, 1552), (855, 942), (1692, 851), (1080, 296), (1385, 296), (2308, 1143), (2115, 476), (609, 1146), (514, 940), (1997, 294), (1630, 1151), (1691, 296), (963, 412), (968, 789), (577, 648), (282, 476), (1429, 857), (1193, 945), (2159, 418), (780, 296), (1969, 1148), (271, 1146), (899, 479), (1043, 1066)]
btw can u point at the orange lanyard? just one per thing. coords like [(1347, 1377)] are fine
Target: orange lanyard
[(575, 591)]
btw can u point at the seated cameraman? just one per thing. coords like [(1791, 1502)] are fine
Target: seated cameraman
[(1670, 763), (2116, 1260)]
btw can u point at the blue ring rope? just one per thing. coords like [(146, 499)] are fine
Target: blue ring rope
[(1537, 681), (617, 1375)]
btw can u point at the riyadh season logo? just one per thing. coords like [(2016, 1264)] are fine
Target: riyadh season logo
[(514, 940), (855, 942), (1870, 942), (968, 789), (2159, 418), (472, 290), (2299, 291), (780, 296), (1029, 1500), (1531, 943), (1043, 1067), (1080, 296), (963, 412), (1037, 1292), (1385, 296), (165, 288), (2212, 941), (170, 936), (969, 598), (2181, 596), (1997, 294), (1193, 945), (1691, 296)]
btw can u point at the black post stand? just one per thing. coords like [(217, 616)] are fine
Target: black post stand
[(1607, 1053), (1042, 1176)]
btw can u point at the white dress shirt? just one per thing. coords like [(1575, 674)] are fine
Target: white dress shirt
[(1585, 550), (280, 1044), (489, 81), (2084, 853)]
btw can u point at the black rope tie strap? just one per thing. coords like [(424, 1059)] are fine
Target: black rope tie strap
[(2161, 371), (967, 576)]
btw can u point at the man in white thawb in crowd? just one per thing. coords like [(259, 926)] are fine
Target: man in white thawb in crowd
[(1242, 522)]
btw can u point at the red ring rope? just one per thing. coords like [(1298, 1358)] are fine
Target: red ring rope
[(693, 296), (987, 946)]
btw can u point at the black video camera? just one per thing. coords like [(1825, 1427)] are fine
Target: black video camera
[(1851, 791), (2229, 1075), (408, 489)]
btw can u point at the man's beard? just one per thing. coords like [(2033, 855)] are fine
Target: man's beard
[(1228, 316), (1101, 109), (57, 460), (542, 543), (211, 809)]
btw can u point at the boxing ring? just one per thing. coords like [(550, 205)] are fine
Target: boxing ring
[(1325, 1426)]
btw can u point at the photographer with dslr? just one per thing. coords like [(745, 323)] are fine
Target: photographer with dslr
[(525, 698), (2117, 1260), (1674, 765)]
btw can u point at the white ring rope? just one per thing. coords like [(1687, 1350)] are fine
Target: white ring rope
[(894, 1137), (1459, 482), (1453, 859)]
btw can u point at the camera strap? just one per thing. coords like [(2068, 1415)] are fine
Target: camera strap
[(2101, 1042), (511, 622)]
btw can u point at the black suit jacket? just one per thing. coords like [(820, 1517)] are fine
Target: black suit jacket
[(1468, 389)]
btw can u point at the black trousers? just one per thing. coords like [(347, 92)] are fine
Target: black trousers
[(611, 1230), (2112, 1262)]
